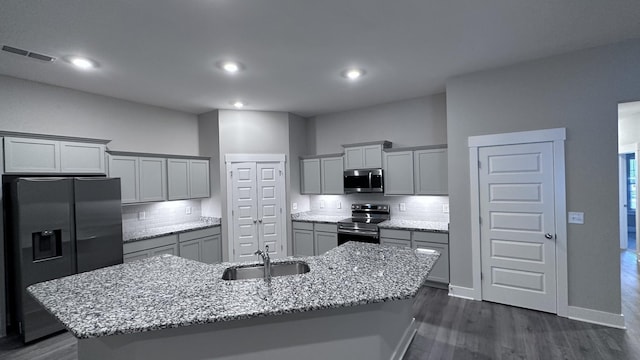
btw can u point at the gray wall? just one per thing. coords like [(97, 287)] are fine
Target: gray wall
[(421, 121), (250, 132), (579, 91), (208, 135), (33, 107)]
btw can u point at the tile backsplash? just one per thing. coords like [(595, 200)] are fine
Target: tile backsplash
[(141, 217), (416, 207)]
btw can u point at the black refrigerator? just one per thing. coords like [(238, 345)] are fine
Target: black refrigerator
[(57, 227)]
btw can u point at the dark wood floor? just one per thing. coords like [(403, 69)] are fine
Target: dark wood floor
[(452, 328)]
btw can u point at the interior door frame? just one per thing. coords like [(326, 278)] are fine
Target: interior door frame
[(557, 136), (229, 159), (624, 235)]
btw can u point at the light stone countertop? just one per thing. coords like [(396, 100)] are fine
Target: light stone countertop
[(319, 218), (168, 230), (168, 291), (415, 225)]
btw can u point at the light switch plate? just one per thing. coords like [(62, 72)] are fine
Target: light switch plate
[(576, 217), (142, 215), (321, 204), (187, 210), (445, 208), (403, 207), (294, 206), (339, 205)]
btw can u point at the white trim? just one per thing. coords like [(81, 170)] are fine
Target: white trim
[(622, 201), (596, 317), (254, 158), (557, 136), (230, 230), (521, 137), (462, 292), (627, 148)]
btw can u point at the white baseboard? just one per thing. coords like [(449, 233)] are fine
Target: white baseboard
[(596, 317), (462, 292)]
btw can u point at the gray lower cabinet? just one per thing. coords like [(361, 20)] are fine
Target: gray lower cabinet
[(201, 245), (151, 247), (422, 240), (311, 239)]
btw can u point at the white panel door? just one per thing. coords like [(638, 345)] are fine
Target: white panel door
[(244, 211), (518, 225), (269, 210)]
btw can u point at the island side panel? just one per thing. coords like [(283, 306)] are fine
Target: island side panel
[(372, 331)]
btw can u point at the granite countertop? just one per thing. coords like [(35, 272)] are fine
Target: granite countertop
[(168, 230), (168, 291), (319, 218), (415, 225)]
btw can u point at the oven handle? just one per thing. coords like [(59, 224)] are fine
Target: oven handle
[(362, 233)]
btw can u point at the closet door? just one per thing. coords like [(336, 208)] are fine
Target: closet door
[(244, 211), (270, 229)]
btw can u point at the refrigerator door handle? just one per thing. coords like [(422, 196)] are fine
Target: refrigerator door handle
[(87, 238)]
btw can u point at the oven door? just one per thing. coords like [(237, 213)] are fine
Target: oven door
[(349, 235)]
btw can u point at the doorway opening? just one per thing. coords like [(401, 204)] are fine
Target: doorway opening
[(628, 150), (631, 197)]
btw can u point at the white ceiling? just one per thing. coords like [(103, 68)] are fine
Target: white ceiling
[(163, 52)]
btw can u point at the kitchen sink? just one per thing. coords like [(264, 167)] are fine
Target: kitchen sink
[(257, 271)]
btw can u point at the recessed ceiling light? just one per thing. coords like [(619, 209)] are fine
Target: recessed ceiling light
[(82, 63), (237, 104), (230, 67), (353, 73)]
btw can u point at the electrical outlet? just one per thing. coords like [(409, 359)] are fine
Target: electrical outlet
[(294, 206), (187, 210), (321, 204), (142, 215), (445, 208), (403, 207), (339, 205)]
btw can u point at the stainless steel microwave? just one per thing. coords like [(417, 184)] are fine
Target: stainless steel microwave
[(363, 181)]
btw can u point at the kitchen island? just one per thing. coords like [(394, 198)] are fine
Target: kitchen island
[(355, 302)]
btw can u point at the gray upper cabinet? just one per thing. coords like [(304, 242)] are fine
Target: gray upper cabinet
[(82, 158), (365, 155), (43, 156), (127, 169), (310, 176), (153, 179), (430, 172), (398, 173), (199, 179), (188, 179), (332, 173)]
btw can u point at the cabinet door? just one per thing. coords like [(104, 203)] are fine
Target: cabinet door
[(211, 250), (310, 179), (440, 271), (332, 175), (138, 255), (430, 167), (169, 249), (199, 179), (126, 168), (81, 158), (303, 242), (24, 155), (153, 179), (324, 242), (178, 179), (398, 173), (191, 249), (353, 158), (372, 156)]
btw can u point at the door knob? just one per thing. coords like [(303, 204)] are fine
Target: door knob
[(260, 221), (548, 236), (255, 221)]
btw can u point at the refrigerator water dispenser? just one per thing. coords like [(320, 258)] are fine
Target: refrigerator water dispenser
[(46, 244)]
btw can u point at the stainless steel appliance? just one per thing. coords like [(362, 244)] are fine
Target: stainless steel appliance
[(363, 181), (363, 224), (57, 227)]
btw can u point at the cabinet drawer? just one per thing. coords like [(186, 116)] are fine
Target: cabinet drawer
[(197, 234), (442, 238), (302, 225), (396, 234), (395, 242), (150, 243), (326, 227)]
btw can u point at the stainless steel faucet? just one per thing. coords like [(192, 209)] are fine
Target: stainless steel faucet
[(267, 262)]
